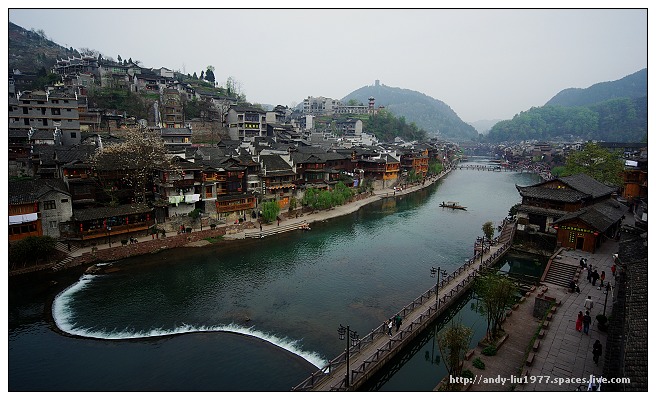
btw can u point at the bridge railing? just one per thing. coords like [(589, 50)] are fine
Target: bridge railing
[(408, 329)]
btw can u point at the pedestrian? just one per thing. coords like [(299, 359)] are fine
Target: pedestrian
[(595, 276), (579, 321), (596, 351), (602, 278), (587, 320), (588, 303), (589, 273), (397, 321), (389, 327), (607, 289), (613, 269), (260, 227), (69, 247)]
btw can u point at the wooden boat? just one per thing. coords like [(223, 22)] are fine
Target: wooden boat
[(453, 204)]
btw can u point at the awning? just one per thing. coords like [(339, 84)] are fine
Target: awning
[(23, 218)]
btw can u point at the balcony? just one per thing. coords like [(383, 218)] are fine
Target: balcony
[(104, 232)]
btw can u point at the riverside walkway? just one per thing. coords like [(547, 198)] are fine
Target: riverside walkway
[(369, 354)]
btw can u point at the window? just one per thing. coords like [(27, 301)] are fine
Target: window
[(49, 205), (53, 224), (73, 135), (56, 111), (64, 200)]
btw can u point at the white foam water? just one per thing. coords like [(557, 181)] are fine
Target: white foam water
[(63, 319)]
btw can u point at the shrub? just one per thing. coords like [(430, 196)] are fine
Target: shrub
[(478, 363), (489, 351), (467, 374)]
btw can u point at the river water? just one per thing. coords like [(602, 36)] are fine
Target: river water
[(258, 315)]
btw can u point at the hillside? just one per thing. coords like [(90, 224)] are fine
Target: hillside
[(632, 86), (30, 51), (617, 120), (429, 114)]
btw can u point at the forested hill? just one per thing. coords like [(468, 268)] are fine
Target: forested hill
[(31, 51), (617, 120), (632, 86), (427, 113)]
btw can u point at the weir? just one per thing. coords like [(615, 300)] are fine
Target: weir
[(371, 353)]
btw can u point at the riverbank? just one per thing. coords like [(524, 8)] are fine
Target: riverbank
[(149, 244)]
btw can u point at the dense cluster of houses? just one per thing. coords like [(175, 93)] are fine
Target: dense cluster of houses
[(57, 191)]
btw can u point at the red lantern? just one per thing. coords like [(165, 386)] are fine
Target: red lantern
[(596, 233), (81, 230), (555, 227)]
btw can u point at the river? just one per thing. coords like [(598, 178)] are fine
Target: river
[(257, 315)]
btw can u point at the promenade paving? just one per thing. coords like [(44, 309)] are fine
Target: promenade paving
[(565, 352)]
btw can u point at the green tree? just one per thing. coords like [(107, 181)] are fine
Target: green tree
[(32, 249), (597, 162), (209, 74), (488, 229), (270, 210), (453, 342), (496, 294), (435, 167), (292, 204)]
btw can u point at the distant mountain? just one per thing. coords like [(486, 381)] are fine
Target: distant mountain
[(30, 51), (632, 86), (608, 111), (483, 126), (430, 114)]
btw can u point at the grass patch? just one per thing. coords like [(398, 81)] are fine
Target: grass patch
[(214, 239), (478, 363)]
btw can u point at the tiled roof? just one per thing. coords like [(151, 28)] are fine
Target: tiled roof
[(275, 163), (600, 216), (106, 212), (562, 195), (23, 192), (586, 184)]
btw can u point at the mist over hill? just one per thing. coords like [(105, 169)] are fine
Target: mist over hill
[(432, 115), (608, 111)]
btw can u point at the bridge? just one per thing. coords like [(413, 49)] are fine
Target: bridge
[(370, 354)]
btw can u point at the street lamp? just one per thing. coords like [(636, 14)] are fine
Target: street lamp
[(436, 272), (353, 335)]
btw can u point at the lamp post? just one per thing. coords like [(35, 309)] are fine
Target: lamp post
[(607, 289), (436, 272), (353, 337)]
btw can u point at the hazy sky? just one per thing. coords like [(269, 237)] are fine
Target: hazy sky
[(483, 63)]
